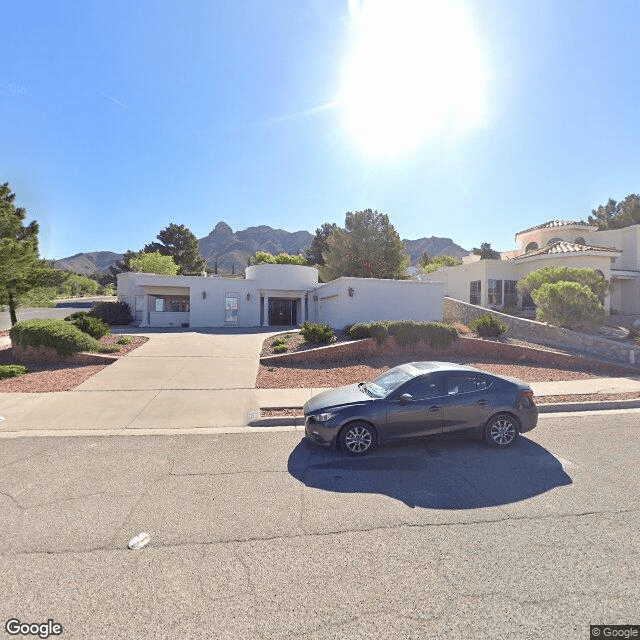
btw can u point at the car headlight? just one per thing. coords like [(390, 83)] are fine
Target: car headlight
[(323, 417)]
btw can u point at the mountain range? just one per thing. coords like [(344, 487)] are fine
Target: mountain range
[(231, 250)]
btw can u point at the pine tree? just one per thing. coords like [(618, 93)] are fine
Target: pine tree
[(21, 269), (179, 243)]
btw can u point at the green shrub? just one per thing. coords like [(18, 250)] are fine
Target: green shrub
[(76, 314), (280, 348), (12, 371), (95, 327), (406, 332), (110, 348), (359, 331), (320, 333), (112, 312), (488, 325), (125, 340), (280, 341), (57, 334), (568, 304)]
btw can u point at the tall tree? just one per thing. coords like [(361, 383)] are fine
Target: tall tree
[(154, 262), (179, 243), (368, 247), (319, 243), (616, 215), (21, 268)]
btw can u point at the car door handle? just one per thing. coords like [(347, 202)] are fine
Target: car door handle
[(435, 408), (482, 402)]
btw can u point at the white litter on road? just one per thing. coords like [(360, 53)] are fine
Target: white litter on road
[(139, 541)]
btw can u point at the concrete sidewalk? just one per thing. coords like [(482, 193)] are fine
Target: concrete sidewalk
[(197, 380)]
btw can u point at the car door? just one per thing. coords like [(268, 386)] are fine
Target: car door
[(469, 401), (423, 414)]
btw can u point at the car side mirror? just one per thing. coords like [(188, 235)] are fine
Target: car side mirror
[(405, 398)]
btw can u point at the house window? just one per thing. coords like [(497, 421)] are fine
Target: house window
[(231, 307), (494, 292), (474, 293), (579, 240), (172, 303), (532, 246), (510, 293)]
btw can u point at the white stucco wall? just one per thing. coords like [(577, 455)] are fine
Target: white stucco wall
[(375, 299)]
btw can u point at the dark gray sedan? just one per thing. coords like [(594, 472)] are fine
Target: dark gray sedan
[(419, 399)]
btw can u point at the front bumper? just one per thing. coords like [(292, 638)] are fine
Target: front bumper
[(320, 433)]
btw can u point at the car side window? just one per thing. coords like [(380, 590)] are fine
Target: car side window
[(424, 388), (465, 384)]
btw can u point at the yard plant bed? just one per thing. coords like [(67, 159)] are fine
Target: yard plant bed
[(60, 376)]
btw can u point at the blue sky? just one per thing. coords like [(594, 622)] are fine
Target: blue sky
[(122, 117)]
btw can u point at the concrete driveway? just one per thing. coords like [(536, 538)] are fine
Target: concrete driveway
[(186, 379)]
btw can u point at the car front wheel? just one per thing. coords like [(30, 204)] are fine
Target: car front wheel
[(357, 438), (501, 431)]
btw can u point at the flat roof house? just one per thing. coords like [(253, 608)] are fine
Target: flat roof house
[(614, 253), (275, 295)]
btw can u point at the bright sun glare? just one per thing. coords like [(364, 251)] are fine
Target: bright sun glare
[(415, 68)]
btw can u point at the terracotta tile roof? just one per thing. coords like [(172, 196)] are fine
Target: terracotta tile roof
[(565, 247), (558, 223)]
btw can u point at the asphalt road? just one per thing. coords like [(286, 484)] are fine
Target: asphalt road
[(61, 309), (259, 536)]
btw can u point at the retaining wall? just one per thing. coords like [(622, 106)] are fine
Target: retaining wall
[(532, 331), (475, 347)]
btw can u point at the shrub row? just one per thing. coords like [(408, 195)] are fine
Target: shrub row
[(112, 312), (65, 338), (406, 332)]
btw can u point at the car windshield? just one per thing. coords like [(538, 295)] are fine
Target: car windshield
[(387, 382)]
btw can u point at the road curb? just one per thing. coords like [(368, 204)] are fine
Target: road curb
[(560, 407)]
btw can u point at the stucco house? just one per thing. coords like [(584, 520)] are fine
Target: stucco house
[(275, 295), (614, 253)]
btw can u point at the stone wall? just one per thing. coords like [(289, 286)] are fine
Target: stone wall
[(584, 344), (47, 355), (470, 347)]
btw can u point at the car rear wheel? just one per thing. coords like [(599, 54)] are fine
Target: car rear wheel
[(357, 438), (501, 431)]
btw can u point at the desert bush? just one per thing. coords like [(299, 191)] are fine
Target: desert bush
[(568, 304), (65, 338), (488, 325), (12, 371), (110, 348), (320, 333), (76, 314), (406, 332), (95, 327), (125, 340), (280, 348), (282, 340), (112, 312)]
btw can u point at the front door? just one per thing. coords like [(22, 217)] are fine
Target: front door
[(282, 312)]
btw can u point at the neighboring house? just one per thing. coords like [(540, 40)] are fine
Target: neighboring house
[(614, 253), (275, 295)]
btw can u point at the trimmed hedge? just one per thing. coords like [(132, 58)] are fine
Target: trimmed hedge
[(320, 333), (12, 371), (406, 332), (487, 326), (95, 327), (112, 312), (56, 334)]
